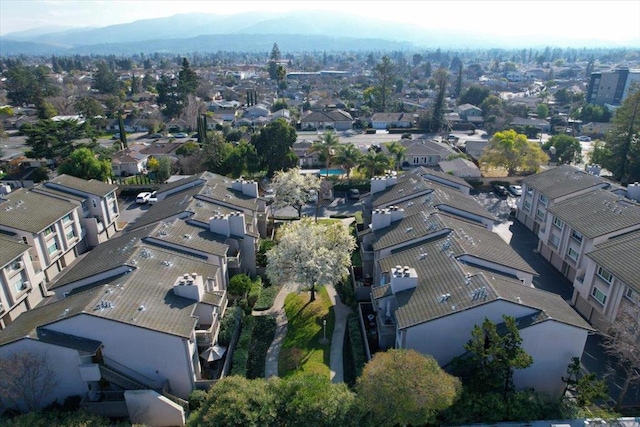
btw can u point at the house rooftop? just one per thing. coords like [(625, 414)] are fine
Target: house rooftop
[(91, 186), (562, 181), (619, 256), (598, 213), (25, 210), (181, 233), (468, 286), (10, 249)]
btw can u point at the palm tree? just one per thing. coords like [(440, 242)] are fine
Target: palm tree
[(373, 163), (397, 150), (348, 157), (326, 148)]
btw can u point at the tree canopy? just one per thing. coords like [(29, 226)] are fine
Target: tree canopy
[(384, 75), (293, 189), (474, 95), (623, 141), (402, 387), (311, 254), (83, 163), (568, 148), (274, 145), (326, 147), (513, 152), (50, 139)]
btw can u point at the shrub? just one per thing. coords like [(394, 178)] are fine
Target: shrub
[(357, 345), (261, 256), (254, 292), (266, 298), (239, 285), (228, 325), (264, 330), (241, 352), (196, 399)]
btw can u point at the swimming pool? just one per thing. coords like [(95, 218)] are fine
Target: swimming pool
[(331, 172)]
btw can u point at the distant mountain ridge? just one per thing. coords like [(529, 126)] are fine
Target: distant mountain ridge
[(295, 31)]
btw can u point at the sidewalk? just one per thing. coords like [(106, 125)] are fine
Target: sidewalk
[(277, 310), (341, 312)]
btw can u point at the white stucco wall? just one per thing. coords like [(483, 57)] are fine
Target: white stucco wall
[(444, 338), (150, 353), (63, 361), (551, 344)]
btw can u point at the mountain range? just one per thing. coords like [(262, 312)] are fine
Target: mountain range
[(255, 32)]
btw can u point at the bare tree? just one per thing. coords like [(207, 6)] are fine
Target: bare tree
[(26, 380), (623, 343), (193, 107)]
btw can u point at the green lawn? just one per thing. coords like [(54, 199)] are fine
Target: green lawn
[(302, 350)]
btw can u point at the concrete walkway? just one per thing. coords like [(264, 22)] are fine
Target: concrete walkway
[(341, 312), (277, 310)]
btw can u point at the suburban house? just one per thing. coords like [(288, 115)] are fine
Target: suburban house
[(50, 226), (425, 152), (21, 287), (595, 128), (391, 120), (544, 189), (474, 147), (256, 111), (461, 168), (328, 119), (306, 159), (129, 162), (543, 125), (470, 113), (178, 125), (98, 202), (610, 280)]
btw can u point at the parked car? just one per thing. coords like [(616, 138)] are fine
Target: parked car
[(353, 194), (155, 136), (116, 136), (452, 138), (515, 190), (180, 135), (500, 191), (584, 138), (313, 196), (153, 198), (143, 198)]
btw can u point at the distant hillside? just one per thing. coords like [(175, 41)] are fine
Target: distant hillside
[(295, 31)]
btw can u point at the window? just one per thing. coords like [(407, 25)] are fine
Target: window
[(599, 295), (573, 254), (48, 230), (540, 214), (24, 240), (527, 204), (21, 285), (543, 200), (554, 240), (110, 196), (576, 236), (67, 218), (633, 295), (52, 248), (558, 222), (416, 160), (84, 205), (70, 233), (605, 275), (529, 191), (93, 202)]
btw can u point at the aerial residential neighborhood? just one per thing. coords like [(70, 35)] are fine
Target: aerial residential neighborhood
[(344, 230)]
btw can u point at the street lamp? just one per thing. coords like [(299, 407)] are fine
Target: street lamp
[(324, 332)]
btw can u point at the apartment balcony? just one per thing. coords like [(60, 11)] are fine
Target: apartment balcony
[(110, 404), (206, 334), (234, 261)]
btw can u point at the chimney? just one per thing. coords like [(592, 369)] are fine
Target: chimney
[(593, 169), (396, 213), (380, 218), (250, 188), (403, 278), (219, 224), (236, 184), (633, 191), (237, 226), (189, 286), (377, 185)]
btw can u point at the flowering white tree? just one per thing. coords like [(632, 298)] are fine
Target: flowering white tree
[(293, 189), (311, 254)]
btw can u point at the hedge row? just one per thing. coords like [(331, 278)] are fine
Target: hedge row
[(264, 329), (357, 345), (266, 298), (228, 325), (241, 352)]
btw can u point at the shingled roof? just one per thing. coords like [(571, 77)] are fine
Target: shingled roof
[(598, 213), (25, 210), (91, 186), (562, 181), (619, 256)]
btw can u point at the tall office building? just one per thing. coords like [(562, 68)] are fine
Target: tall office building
[(612, 87)]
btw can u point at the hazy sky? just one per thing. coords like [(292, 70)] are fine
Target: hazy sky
[(613, 21)]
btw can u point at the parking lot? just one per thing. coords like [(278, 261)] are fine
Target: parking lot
[(130, 211)]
